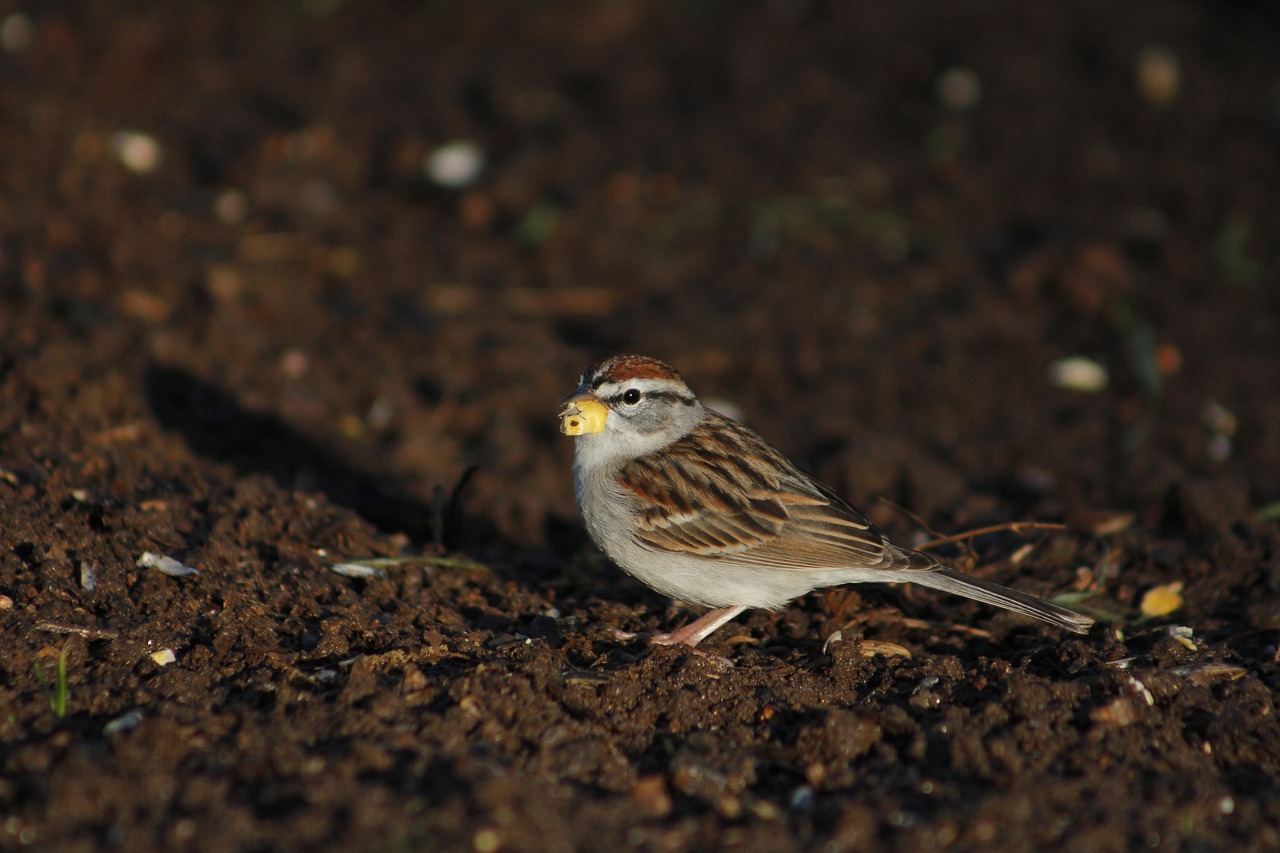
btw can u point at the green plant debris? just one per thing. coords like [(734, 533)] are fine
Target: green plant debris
[(55, 689)]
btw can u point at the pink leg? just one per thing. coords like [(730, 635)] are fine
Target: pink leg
[(698, 630)]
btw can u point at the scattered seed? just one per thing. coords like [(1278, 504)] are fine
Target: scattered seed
[(802, 799), (584, 676), (164, 657), (1184, 636), (870, 648), (1162, 600), (137, 151), (165, 565), (6, 603), (123, 723), (1101, 522), (836, 637), (1205, 673), (765, 810), (358, 570), (1141, 690), (454, 165), (88, 577), (78, 630), (397, 562), (1022, 553), (1078, 373)]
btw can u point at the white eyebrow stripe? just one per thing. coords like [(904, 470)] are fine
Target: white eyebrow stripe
[(645, 385)]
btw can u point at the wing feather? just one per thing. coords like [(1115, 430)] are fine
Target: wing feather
[(742, 502)]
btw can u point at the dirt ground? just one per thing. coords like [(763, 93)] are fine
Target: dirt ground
[(243, 326)]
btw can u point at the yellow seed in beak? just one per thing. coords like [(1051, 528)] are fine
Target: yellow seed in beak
[(583, 417)]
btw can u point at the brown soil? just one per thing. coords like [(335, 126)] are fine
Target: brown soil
[(285, 346)]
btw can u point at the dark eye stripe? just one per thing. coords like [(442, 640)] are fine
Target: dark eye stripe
[(669, 396)]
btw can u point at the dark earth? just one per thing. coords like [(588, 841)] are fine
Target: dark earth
[(241, 327)]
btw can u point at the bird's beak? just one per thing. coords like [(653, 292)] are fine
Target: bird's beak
[(583, 414)]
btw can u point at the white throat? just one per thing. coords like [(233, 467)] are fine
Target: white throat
[(619, 443)]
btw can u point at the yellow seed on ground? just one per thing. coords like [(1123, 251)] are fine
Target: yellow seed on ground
[(1162, 600)]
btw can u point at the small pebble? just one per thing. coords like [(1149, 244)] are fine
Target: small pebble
[(164, 657)]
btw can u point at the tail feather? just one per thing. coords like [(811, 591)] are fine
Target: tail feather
[(987, 592)]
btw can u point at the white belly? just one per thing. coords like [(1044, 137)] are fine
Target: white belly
[(607, 514)]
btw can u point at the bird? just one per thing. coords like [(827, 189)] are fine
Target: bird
[(703, 510)]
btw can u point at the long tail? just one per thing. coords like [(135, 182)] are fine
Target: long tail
[(948, 580)]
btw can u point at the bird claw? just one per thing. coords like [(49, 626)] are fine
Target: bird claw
[(655, 638)]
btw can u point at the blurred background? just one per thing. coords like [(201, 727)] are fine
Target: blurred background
[(989, 260), (288, 283)]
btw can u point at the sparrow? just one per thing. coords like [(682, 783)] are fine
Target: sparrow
[(702, 509)]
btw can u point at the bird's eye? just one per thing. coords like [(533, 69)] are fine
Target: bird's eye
[(631, 397)]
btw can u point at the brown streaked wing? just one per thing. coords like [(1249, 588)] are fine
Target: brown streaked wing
[(723, 492)]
